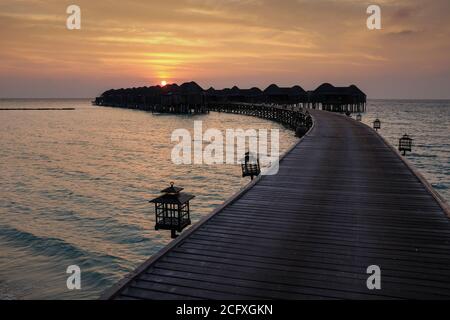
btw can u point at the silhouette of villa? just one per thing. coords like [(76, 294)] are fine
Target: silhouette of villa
[(191, 98), (333, 98)]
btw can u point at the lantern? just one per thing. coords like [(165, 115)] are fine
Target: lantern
[(358, 117), (377, 124), (405, 144), (172, 210), (250, 166)]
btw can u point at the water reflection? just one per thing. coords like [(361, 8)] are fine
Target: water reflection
[(75, 186)]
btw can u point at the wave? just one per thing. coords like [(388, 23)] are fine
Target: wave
[(54, 247), (440, 186)]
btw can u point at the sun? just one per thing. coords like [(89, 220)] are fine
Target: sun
[(163, 83)]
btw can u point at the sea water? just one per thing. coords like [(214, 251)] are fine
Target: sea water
[(75, 184)]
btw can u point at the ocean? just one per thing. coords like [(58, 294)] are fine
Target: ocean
[(75, 184), (75, 188)]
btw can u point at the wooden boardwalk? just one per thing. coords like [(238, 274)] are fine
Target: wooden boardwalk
[(343, 200)]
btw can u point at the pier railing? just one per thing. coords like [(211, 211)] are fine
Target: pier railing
[(291, 116)]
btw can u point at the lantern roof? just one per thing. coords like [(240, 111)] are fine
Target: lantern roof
[(250, 157), (172, 189), (406, 137), (179, 198)]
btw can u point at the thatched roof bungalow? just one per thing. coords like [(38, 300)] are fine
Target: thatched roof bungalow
[(326, 93), (275, 94), (191, 94)]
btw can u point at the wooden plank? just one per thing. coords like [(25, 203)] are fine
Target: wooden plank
[(343, 200), (308, 277)]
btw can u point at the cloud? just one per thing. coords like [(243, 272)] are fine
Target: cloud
[(402, 33), (290, 40)]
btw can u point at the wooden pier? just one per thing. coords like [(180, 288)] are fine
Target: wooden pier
[(342, 201), (190, 98)]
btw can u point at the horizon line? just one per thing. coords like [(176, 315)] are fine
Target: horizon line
[(90, 98)]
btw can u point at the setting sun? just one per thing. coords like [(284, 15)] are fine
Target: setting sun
[(163, 83)]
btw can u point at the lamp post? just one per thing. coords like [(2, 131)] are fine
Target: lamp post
[(250, 166), (377, 124), (172, 210), (405, 144)]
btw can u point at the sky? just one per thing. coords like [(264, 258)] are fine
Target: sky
[(222, 43)]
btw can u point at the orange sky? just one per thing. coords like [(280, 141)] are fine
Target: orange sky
[(222, 43)]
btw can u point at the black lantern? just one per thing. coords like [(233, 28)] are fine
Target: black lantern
[(377, 124), (405, 144), (358, 117), (172, 210), (250, 166)]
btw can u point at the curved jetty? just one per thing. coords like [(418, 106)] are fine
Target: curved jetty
[(342, 201)]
